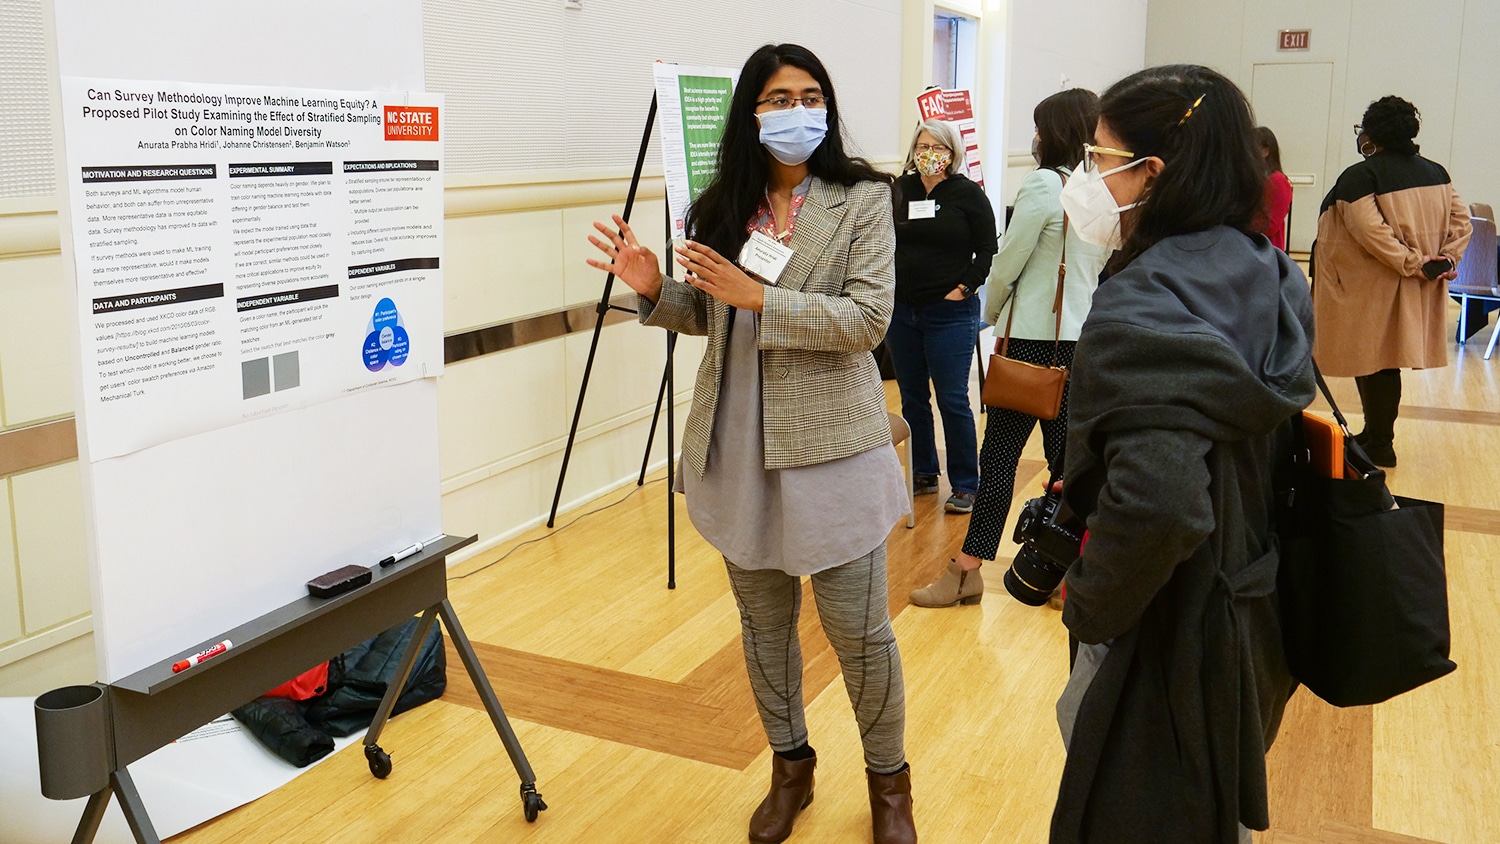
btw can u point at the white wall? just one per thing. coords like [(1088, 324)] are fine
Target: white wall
[(1440, 55), (1060, 44)]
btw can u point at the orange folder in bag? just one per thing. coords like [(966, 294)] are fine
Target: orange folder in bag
[(1325, 442)]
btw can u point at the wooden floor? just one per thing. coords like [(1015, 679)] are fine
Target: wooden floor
[(632, 704)]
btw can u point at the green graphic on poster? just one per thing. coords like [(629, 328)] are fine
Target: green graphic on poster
[(705, 107)]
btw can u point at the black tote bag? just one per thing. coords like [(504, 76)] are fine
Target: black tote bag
[(1364, 594)]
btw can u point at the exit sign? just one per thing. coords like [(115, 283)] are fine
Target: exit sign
[(1294, 39)]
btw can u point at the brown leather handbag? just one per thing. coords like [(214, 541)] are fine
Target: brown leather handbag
[(1025, 387)]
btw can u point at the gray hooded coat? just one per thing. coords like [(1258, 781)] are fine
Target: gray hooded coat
[(1192, 360)]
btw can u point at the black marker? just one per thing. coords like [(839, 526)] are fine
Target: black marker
[(402, 554)]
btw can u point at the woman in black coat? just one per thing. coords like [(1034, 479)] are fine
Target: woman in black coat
[(1194, 356)]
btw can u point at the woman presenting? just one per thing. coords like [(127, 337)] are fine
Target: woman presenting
[(789, 465)]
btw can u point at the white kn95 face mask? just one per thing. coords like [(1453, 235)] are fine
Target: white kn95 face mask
[(1091, 208)]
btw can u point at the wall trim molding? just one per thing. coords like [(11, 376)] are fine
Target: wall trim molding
[(480, 200), (568, 507), (38, 446), (479, 474), (548, 325), (29, 234), (47, 639)]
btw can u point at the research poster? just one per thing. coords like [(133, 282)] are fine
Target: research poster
[(692, 104), (956, 107), (245, 251)]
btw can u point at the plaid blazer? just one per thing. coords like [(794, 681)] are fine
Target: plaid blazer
[(821, 395)]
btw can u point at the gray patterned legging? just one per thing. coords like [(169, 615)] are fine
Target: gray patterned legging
[(852, 607)]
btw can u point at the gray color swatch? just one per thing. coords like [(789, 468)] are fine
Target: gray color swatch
[(287, 370), (255, 376)]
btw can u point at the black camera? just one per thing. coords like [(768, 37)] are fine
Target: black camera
[(1049, 544)]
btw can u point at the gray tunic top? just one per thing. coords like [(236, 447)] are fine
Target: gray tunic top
[(800, 521)]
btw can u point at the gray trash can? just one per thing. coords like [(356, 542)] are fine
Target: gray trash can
[(73, 745)]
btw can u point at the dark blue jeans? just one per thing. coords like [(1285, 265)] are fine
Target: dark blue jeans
[(935, 344)]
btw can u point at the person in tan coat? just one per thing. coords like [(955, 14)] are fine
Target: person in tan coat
[(1377, 311)]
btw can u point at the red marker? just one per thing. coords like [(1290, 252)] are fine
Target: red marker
[(183, 665)]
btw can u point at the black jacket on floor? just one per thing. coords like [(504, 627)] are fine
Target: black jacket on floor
[(1191, 361), (302, 732)]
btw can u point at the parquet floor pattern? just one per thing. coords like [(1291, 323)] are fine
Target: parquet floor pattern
[(632, 704)]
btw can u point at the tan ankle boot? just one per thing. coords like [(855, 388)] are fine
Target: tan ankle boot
[(955, 586), (791, 792), (890, 807)]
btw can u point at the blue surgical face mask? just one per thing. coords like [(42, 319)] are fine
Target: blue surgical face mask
[(792, 135)]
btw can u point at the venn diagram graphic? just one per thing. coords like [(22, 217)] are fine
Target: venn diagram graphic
[(386, 343)]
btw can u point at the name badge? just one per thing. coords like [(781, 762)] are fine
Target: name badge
[(764, 258), (924, 210)]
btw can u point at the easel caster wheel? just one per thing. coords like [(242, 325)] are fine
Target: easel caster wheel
[(531, 804), (380, 761)]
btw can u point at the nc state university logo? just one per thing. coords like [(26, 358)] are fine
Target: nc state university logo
[(411, 123)]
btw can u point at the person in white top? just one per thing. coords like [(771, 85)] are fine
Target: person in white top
[(1023, 278)]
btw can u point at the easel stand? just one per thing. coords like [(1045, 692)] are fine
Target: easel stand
[(666, 391), (88, 735)]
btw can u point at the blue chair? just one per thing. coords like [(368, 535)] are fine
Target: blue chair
[(1477, 275)]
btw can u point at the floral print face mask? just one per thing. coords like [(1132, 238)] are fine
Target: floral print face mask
[(931, 162)]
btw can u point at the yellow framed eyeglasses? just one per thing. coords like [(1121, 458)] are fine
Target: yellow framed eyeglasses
[(1089, 151)]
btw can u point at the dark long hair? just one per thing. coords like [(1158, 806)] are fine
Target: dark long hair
[(1392, 122), (721, 215), (1212, 174), (1064, 123), (1266, 140)]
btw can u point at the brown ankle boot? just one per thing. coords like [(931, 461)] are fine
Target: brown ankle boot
[(890, 807), (791, 791), (953, 586)]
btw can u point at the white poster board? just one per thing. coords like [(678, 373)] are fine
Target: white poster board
[(192, 536), (248, 250), (692, 104)]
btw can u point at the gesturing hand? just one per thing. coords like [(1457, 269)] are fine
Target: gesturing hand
[(710, 272), (631, 262)]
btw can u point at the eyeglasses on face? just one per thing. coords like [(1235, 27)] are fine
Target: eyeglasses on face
[(919, 148), (780, 103), (1089, 151)]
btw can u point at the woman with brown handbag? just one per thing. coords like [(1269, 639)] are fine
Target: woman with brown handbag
[(1023, 290)]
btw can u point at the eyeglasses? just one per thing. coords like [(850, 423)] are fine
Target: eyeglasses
[(920, 148), (782, 103), (1358, 129), (1089, 151)]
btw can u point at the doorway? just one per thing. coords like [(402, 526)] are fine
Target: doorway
[(954, 51), (1295, 101)]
